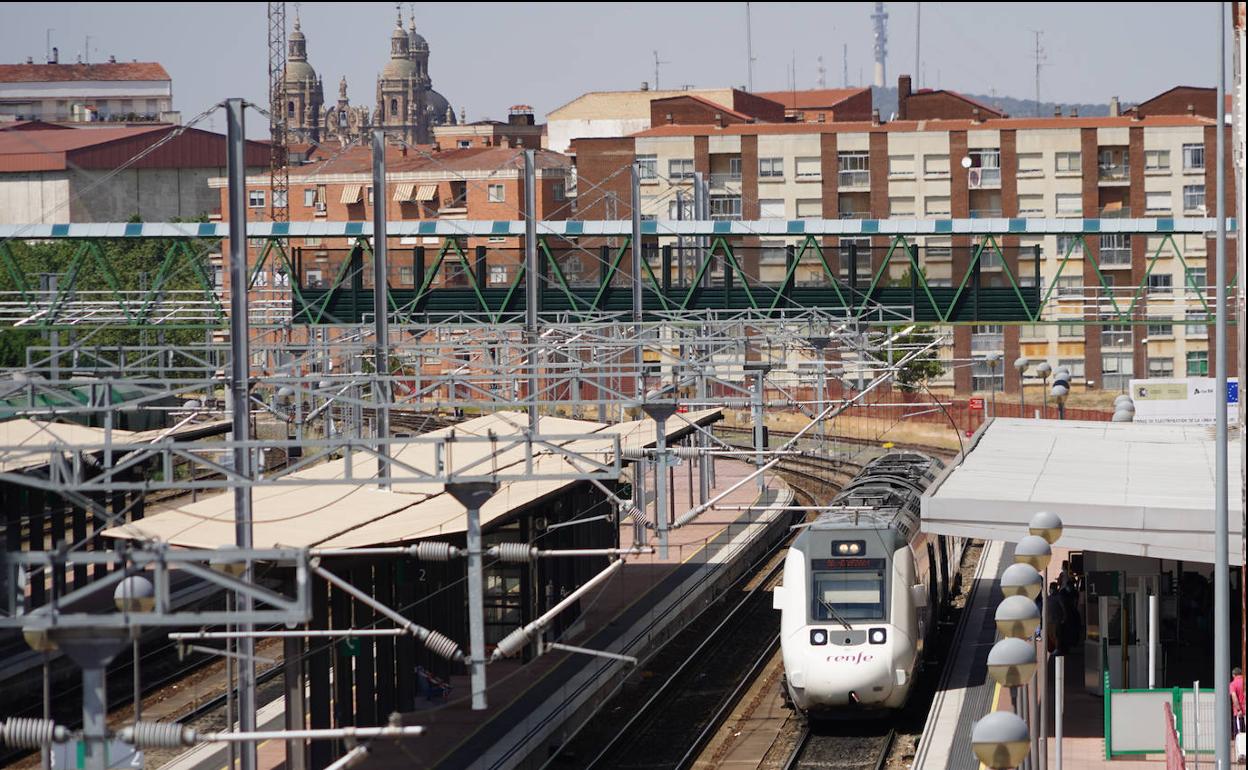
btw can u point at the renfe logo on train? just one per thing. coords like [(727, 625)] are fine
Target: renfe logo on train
[(861, 657)]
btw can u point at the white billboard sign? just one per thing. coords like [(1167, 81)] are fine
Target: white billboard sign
[(1182, 400)]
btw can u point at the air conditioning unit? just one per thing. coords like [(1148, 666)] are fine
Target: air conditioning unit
[(974, 178)]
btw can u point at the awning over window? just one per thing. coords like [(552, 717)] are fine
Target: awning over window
[(403, 193), (427, 192), (351, 193)]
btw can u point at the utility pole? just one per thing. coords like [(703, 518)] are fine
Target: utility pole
[(381, 310), (532, 283), (1221, 572), (749, 51), (844, 65), (1038, 55), (918, 37)]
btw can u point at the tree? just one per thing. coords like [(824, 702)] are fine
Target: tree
[(913, 374)]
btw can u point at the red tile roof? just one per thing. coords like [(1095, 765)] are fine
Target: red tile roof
[(714, 105), (813, 99), (1159, 121), (56, 73), (359, 160), (96, 148)]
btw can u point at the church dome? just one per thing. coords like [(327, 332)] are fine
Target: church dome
[(437, 105), (399, 66), (297, 66), (298, 70)]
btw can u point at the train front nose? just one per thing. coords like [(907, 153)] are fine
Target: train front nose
[(848, 675)]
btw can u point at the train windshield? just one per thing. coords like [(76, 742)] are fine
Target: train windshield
[(849, 594)]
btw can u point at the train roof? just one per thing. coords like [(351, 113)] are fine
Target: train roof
[(885, 494)]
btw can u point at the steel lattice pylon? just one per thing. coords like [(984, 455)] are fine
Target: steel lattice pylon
[(279, 177)]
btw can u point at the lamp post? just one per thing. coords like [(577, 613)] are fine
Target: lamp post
[(1043, 369), (1020, 364), (999, 740), (993, 359), (1017, 617), (1046, 527), (1124, 409), (135, 594), (1061, 389)]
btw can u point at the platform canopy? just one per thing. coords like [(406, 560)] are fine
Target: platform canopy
[(1125, 488), (364, 515)]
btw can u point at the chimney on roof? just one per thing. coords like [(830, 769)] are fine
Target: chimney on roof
[(719, 119), (112, 59), (520, 115), (504, 142), (1191, 108), (645, 86), (1074, 111), (56, 56), (1057, 110), (875, 116), (903, 95), (670, 119), (1115, 109), (30, 60), (975, 116)]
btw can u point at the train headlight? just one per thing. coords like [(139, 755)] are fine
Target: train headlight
[(818, 636), (848, 547), (877, 635)]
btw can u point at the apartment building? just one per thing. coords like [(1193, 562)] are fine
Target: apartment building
[(473, 183), (965, 160), (109, 91)]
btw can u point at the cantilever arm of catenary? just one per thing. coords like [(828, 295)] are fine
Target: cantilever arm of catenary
[(515, 641), (830, 412)]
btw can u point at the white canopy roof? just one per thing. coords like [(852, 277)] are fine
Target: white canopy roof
[(1127, 488)]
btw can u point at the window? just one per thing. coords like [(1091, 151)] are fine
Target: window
[(852, 249), (725, 207), (1198, 363), (498, 274), (1030, 164), (464, 144), (1197, 323), (255, 199), (1116, 335), (901, 207), (648, 208), (807, 168), (1158, 202), (1074, 365), (1160, 330), (854, 169), (1117, 369), (1069, 244), (1196, 277), (771, 253), (901, 166), (1031, 205), (648, 166), (1193, 157), (810, 208), (985, 377), (1156, 160), (1115, 250), (1069, 286), (1069, 205), (407, 276), (370, 196), (312, 242), (1194, 197), (320, 198), (1070, 331), (771, 168), (1068, 162), (935, 165), (394, 108), (261, 278), (734, 168), (771, 208), (309, 196), (313, 279), (936, 206), (495, 193), (848, 594), (1161, 367), (682, 209), (988, 337), (938, 249), (986, 168), (679, 168), (559, 191), (1160, 283)]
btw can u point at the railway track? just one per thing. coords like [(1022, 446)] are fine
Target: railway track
[(845, 746)]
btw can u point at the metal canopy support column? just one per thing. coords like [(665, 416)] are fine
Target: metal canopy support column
[(760, 427), (381, 311), (659, 413), (1221, 574), (472, 496), (532, 284), (240, 392)]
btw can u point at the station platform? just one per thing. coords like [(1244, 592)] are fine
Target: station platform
[(966, 692), (536, 706)]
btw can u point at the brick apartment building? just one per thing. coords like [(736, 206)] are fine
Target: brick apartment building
[(1155, 160), (472, 183)]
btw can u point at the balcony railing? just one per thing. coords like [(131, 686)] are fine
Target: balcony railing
[(983, 178), (846, 179), (725, 179), (1114, 172), (986, 213), (1115, 213), (854, 215)]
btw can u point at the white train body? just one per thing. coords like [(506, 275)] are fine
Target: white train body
[(860, 592)]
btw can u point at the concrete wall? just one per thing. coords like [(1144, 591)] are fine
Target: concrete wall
[(34, 197), (154, 195)]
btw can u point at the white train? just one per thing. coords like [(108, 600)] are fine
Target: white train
[(861, 590)]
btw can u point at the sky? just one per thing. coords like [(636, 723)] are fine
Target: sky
[(486, 57)]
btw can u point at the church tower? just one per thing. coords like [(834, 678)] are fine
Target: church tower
[(302, 91)]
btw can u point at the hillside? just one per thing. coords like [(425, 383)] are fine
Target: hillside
[(886, 100)]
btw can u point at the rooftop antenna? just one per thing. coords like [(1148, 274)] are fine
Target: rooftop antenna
[(880, 21), (822, 71), (1040, 59), (845, 65), (86, 51), (749, 51), (657, 62), (47, 52)]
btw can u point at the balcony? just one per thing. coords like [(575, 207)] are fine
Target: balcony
[(986, 214), (1114, 173), (983, 178), (721, 181), (853, 180), (1114, 211), (854, 215)]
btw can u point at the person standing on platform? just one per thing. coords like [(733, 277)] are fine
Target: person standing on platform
[(1237, 701), (1054, 619)]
